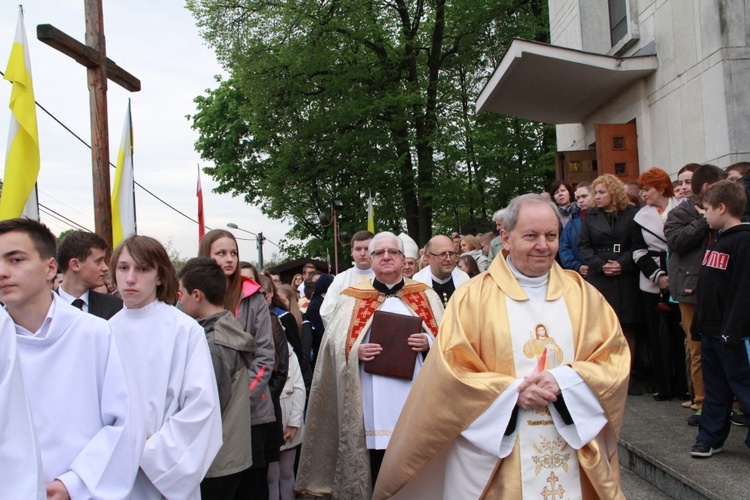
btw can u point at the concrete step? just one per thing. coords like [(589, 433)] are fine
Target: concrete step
[(655, 444), (637, 488)]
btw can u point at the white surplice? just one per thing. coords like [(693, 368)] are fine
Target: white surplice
[(383, 398), (20, 462), (88, 425), (169, 357), (351, 277)]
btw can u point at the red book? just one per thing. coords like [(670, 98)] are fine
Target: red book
[(392, 331)]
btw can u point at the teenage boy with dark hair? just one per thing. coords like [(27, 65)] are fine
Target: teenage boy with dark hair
[(82, 260), (203, 286), (88, 425), (722, 317)]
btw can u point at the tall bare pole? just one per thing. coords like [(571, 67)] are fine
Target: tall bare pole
[(97, 80)]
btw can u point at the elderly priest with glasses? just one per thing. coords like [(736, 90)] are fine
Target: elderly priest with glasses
[(373, 349), (442, 274)]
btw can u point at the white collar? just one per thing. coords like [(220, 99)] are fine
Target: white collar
[(69, 298), (44, 329), (534, 286)]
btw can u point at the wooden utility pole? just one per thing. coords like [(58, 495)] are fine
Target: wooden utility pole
[(93, 55)]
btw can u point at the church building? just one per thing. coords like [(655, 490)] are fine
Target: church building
[(632, 84)]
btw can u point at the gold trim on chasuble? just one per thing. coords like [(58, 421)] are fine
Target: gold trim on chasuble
[(368, 300)]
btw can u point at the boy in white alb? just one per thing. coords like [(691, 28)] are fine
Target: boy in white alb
[(87, 424), (20, 463), (169, 357)]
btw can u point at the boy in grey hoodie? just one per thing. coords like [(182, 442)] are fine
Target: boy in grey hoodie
[(202, 290)]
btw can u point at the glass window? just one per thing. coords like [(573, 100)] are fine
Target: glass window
[(618, 20)]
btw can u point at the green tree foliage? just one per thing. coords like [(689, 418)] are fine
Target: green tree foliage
[(63, 234), (336, 99)]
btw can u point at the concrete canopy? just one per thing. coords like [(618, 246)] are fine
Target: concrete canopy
[(551, 84)]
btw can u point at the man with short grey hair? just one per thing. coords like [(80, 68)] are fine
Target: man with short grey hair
[(533, 363), (496, 245)]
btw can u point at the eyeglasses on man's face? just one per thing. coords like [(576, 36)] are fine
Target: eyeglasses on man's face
[(444, 255), (382, 251)]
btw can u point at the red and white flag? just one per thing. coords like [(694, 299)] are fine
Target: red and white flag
[(201, 221)]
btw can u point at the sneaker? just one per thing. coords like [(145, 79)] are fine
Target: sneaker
[(702, 450), (738, 417), (695, 418)]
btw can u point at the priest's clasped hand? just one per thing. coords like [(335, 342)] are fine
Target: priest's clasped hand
[(537, 391), (367, 352), (419, 342)]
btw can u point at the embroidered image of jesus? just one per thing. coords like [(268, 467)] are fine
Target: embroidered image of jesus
[(543, 348)]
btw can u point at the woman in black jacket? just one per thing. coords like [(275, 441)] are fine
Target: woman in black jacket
[(605, 243)]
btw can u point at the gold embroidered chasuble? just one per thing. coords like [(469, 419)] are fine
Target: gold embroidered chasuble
[(472, 363), (334, 460)]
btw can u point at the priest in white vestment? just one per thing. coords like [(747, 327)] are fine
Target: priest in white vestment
[(20, 462), (352, 413), (524, 392), (362, 272)]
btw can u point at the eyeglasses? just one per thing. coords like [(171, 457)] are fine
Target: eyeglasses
[(444, 255), (391, 251)]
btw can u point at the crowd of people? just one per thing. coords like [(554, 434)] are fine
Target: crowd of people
[(221, 381)]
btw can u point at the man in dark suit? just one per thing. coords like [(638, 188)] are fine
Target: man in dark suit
[(82, 259)]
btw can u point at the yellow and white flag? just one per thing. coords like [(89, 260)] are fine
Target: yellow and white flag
[(370, 215), (22, 159), (123, 194)]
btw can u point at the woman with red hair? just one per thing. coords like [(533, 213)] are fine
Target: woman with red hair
[(650, 255)]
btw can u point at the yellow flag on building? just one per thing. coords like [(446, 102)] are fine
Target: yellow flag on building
[(22, 159), (123, 194)]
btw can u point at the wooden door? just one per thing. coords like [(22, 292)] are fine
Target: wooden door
[(576, 166), (617, 150)]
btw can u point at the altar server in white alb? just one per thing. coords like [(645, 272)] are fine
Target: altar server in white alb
[(360, 273), (169, 356), (87, 422), (20, 463)]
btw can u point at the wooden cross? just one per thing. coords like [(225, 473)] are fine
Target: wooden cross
[(93, 55)]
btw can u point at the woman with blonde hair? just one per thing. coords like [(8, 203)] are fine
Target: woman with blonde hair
[(605, 242), (297, 281), (470, 246)]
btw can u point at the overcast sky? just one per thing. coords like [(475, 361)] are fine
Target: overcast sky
[(158, 42)]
